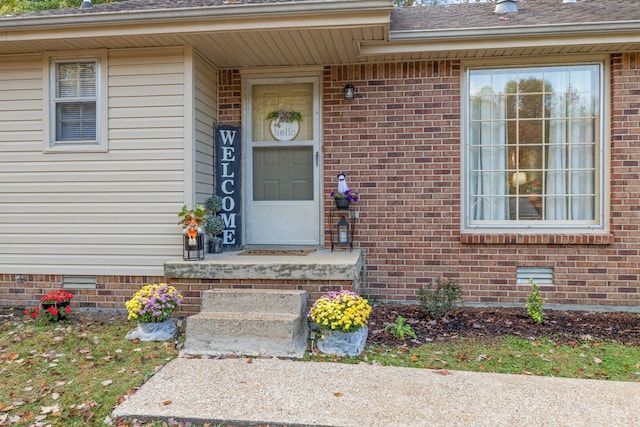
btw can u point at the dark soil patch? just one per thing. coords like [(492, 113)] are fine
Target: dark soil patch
[(487, 323)]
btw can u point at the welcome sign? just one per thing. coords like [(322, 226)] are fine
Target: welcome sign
[(228, 173)]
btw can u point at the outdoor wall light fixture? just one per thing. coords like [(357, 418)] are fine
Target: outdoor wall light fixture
[(349, 92)]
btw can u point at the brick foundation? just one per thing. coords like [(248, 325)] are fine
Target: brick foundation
[(112, 292)]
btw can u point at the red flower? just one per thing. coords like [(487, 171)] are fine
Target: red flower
[(67, 309), (53, 311), (32, 311), (57, 296)]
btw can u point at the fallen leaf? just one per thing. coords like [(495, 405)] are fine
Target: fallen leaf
[(107, 382), (50, 410), (442, 372), (414, 358), (597, 361), (167, 402), (337, 394)]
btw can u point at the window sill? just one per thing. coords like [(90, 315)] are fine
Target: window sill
[(77, 148), (535, 239)]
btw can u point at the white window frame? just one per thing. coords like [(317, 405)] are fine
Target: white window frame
[(100, 143), (601, 223)]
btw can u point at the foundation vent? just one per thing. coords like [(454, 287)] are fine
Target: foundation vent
[(78, 282), (541, 275)]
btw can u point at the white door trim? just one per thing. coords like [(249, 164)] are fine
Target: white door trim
[(315, 220)]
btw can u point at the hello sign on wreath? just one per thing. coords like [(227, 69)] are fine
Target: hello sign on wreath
[(284, 124)]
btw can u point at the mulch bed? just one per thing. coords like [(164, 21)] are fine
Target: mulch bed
[(464, 322), (488, 323)]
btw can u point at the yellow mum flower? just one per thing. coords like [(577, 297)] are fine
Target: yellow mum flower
[(344, 311)]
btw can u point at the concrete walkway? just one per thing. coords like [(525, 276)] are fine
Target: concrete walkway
[(253, 392)]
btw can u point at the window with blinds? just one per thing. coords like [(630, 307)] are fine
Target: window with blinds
[(75, 101)]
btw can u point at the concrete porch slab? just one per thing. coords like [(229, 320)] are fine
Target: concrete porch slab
[(319, 265)]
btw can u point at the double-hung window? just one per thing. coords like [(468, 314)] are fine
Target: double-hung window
[(535, 147), (74, 104)]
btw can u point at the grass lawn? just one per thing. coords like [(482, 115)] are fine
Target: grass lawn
[(74, 373), (511, 355)]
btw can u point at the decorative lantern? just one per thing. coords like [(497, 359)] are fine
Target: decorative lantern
[(343, 230), (349, 92)]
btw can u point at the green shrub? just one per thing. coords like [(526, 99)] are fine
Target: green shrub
[(535, 303), (214, 226), (214, 204), (440, 298), (400, 329)]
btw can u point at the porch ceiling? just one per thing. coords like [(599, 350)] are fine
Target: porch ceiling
[(326, 46), (243, 35), (233, 49)]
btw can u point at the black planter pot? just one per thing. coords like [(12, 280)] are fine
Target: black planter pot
[(215, 245), (61, 306), (342, 203), (194, 252)]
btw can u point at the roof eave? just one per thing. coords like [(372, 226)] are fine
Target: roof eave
[(510, 31), (414, 42)]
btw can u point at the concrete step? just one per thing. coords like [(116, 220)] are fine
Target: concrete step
[(254, 301), (249, 322), (247, 333)]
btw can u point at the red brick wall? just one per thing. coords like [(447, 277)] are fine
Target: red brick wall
[(399, 144), (230, 97)]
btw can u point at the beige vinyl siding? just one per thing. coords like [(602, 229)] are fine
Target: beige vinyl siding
[(206, 108), (20, 107), (112, 213)]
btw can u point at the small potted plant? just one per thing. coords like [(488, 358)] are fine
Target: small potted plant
[(342, 317), (343, 200), (152, 306), (192, 221), (343, 197), (54, 305), (215, 225)]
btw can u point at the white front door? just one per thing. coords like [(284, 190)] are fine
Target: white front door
[(282, 182)]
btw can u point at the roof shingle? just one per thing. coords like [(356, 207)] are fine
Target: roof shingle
[(530, 13)]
